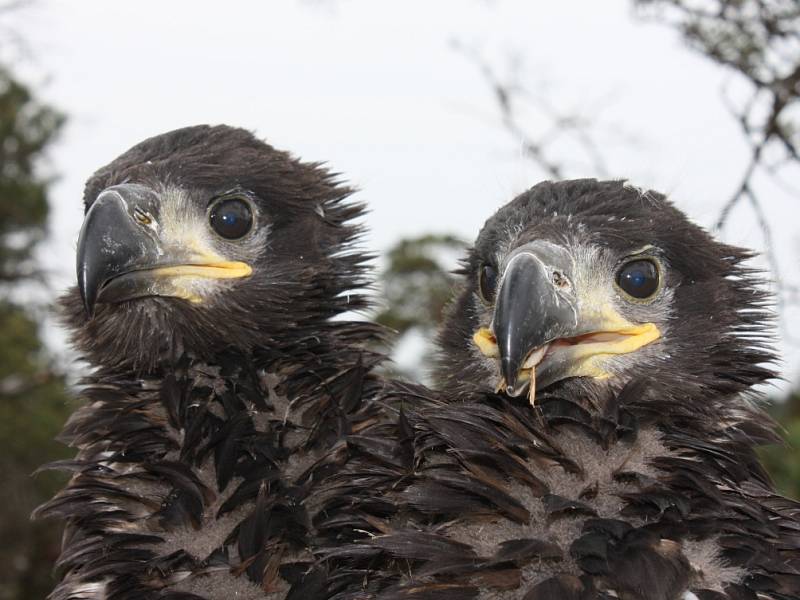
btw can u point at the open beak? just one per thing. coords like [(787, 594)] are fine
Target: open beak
[(539, 332), (121, 255)]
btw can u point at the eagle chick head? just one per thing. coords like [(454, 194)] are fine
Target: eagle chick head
[(205, 238), (588, 285)]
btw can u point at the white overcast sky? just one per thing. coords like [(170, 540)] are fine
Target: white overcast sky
[(376, 89)]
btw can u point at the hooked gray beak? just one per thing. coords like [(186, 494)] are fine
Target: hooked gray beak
[(530, 311), (115, 239)]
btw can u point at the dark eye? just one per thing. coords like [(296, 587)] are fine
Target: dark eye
[(231, 218), (487, 282), (638, 278)]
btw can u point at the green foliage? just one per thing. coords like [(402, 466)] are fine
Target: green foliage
[(33, 399), (33, 407), (26, 128), (783, 462), (416, 282), (416, 285)]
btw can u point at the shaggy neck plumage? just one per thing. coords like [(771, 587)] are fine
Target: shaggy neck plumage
[(493, 499)]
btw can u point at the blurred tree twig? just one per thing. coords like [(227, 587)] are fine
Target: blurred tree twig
[(557, 126)]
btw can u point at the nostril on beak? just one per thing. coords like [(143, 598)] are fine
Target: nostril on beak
[(560, 280)]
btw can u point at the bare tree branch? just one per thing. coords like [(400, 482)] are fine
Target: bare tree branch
[(743, 190), (12, 5), (572, 126)]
